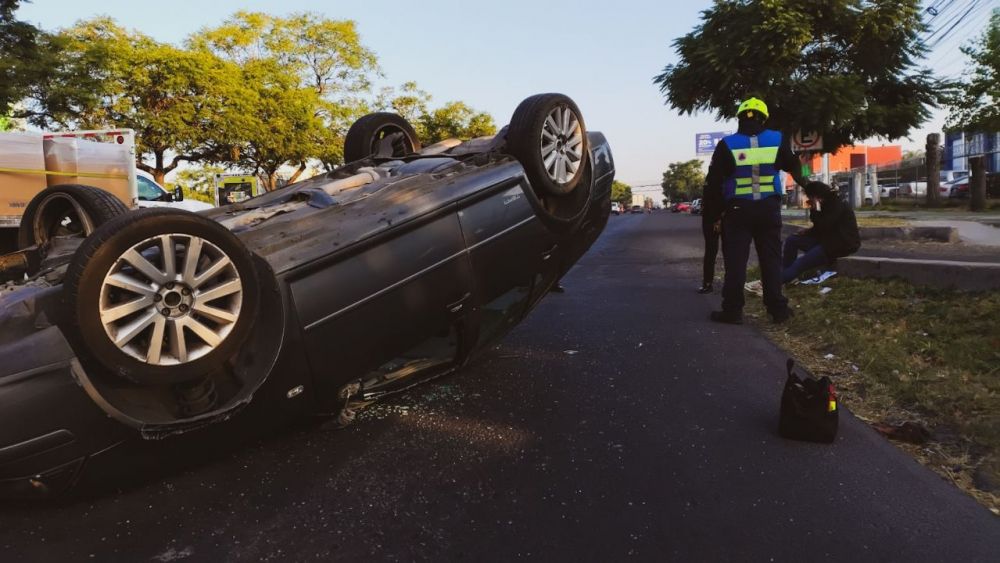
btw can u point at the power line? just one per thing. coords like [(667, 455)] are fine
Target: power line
[(947, 18), (972, 6), (943, 58)]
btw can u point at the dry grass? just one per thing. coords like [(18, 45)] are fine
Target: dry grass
[(902, 353), (949, 205), (863, 221)]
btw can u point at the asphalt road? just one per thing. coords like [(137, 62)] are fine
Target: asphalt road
[(615, 422)]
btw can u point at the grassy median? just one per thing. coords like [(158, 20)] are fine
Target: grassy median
[(902, 354), (948, 205), (863, 221)]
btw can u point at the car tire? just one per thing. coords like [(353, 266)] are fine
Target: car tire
[(147, 311), (561, 203), (86, 208), (548, 136), (366, 134)]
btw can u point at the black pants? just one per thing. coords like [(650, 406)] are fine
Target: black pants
[(760, 222), (711, 250)]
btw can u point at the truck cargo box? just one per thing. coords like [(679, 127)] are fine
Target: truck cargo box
[(101, 165), (19, 152)]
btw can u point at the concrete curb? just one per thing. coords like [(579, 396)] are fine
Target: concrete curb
[(939, 234), (944, 274)]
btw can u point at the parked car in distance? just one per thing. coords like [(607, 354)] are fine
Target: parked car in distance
[(616, 208), (954, 183), (959, 188), (913, 188), (637, 209), (681, 207), (696, 207)]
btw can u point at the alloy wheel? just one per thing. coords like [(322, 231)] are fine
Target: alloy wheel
[(170, 299), (561, 144)]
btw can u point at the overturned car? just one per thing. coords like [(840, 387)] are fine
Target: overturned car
[(156, 326)]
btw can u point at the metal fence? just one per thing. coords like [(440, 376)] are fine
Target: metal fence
[(906, 180)]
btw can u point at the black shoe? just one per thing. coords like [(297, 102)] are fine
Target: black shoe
[(705, 288), (727, 317), (782, 316)]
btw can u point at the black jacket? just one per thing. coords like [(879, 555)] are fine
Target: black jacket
[(836, 228), (724, 165)]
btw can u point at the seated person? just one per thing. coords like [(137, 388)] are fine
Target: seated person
[(834, 233)]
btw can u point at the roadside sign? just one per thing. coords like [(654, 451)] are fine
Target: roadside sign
[(705, 142), (804, 141)]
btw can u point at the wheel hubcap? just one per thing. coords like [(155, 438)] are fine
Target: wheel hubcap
[(170, 299), (562, 144)]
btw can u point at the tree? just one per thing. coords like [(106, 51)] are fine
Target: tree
[(408, 101), (683, 180), (326, 54), (183, 105), (454, 120), (976, 104), (198, 182), (308, 73), (621, 192), (286, 127), (844, 68), (21, 58)]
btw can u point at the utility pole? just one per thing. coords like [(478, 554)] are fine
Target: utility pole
[(977, 184), (933, 169), (858, 188), (873, 182)]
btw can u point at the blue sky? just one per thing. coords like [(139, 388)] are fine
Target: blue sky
[(492, 55)]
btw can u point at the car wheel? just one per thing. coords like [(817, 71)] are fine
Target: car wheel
[(548, 137), (366, 136), (66, 210), (161, 296)]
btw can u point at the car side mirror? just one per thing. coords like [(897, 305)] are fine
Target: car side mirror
[(178, 194)]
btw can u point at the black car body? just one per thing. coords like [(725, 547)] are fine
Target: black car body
[(364, 292)]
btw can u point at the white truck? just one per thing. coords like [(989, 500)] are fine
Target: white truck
[(81, 174)]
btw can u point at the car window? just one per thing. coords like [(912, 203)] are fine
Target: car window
[(148, 190)]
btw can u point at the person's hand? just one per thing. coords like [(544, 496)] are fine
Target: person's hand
[(717, 226)]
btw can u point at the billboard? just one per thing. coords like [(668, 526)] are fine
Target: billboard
[(705, 142)]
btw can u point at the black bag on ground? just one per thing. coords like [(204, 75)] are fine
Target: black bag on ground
[(808, 409)]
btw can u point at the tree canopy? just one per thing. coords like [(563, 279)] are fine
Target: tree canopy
[(257, 92), (185, 103), (621, 192), (453, 120), (683, 180), (845, 68), (21, 59), (976, 104), (198, 182), (306, 75)]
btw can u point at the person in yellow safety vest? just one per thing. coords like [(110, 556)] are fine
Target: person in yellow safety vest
[(743, 193)]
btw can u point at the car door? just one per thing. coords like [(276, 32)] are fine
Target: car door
[(400, 300), (511, 253)]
